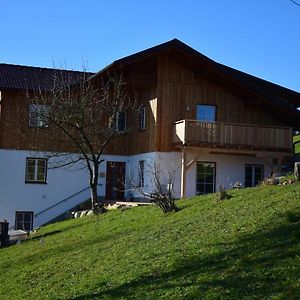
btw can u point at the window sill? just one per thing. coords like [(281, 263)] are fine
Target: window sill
[(38, 127), (35, 182)]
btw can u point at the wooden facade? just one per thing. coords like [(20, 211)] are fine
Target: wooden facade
[(170, 89), (181, 91)]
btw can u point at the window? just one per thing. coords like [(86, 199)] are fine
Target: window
[(121, 121), (253, 175), (141, 173), (143, 118), (36, 170), (24, 220), (206, 113), (205, 178), (38, 115)]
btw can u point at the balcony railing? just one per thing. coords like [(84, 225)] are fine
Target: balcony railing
[(217, 134)]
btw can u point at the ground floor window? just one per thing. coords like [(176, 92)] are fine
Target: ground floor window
[(253, 174), (24, 220), (36, 170), (206, 177)]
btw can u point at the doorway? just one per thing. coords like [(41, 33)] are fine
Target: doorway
[(115, 180)]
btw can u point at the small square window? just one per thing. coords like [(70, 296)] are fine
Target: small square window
[(206, 113), (24, 220), (38, 115), (36, 170)]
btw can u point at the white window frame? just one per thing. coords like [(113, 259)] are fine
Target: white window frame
[(23, 222), (143, 118), (36, 171), (38, 114)]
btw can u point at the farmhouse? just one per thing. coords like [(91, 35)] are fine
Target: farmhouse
[(210, 123)]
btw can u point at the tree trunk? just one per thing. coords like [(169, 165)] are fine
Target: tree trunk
[(297, 171), (94, 186), (94, 196)]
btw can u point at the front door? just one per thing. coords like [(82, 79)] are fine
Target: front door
[(115, 179)]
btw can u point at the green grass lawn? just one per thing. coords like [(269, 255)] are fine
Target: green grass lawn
[(247, 247), (297, 147)]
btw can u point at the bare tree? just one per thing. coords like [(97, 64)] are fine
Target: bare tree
[(161, 191), (82, 118)]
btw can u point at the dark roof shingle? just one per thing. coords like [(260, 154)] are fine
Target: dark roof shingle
[(28, 78)]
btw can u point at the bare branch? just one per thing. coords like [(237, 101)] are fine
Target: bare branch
[(295, 2)]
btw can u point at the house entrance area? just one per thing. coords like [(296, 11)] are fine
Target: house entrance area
[(115, 180), (206, 178)]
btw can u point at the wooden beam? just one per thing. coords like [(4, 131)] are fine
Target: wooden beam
[(191, 162), (183, 174), (229, 151)]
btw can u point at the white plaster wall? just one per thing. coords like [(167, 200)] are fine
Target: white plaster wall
[(167, 162), (229, 169), (16, 195)]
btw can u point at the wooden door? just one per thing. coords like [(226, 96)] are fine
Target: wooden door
[(115, 179)]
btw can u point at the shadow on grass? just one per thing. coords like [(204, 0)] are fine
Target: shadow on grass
[(259, 266), (47, 234)]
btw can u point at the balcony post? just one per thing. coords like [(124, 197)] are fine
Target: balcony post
[(183, 174), (184, 132)]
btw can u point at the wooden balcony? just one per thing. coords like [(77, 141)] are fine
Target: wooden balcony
[(235, 136)]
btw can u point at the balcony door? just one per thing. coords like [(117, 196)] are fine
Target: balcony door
[(206, 113), (254, 174), (206, 178)]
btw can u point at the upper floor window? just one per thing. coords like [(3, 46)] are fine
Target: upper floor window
[(38, 115), (36, 170), (121, 121), (143, 118), (206, 113)]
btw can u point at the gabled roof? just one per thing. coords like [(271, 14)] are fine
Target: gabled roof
[(249, 80), (27, 78), (275, 95)]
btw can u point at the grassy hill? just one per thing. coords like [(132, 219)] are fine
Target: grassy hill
[(247, 247)]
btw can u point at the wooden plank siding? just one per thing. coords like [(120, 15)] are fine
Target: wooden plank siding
[(180, 90), (170, 92), (16, 133)]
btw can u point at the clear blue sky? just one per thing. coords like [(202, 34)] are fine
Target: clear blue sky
[(260, 37)]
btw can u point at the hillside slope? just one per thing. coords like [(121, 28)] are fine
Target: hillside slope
[(246, 247)]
